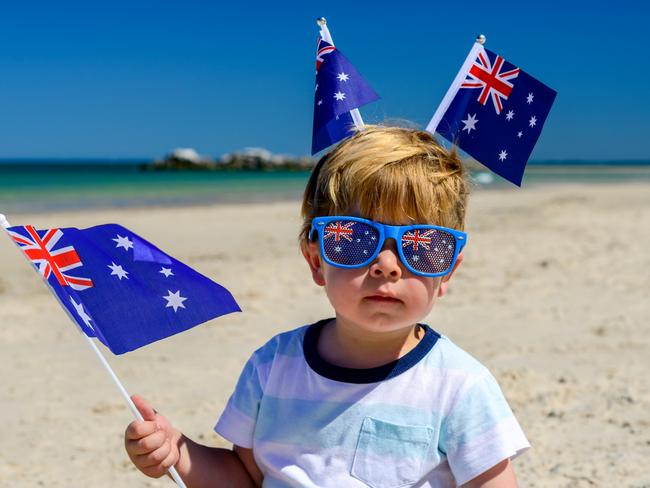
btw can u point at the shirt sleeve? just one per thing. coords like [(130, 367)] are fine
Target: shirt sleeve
[(237, 422), (480, 431)]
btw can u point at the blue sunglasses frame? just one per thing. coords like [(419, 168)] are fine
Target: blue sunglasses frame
[(385, 231)]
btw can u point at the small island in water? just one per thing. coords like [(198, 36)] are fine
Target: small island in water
[(249, 159), (252, 158), (262, 160)]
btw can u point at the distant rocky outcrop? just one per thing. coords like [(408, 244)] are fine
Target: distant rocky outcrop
[(250, 159), (182, 158)]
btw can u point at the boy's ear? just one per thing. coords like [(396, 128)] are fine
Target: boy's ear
[(445, 279), (311, 252)]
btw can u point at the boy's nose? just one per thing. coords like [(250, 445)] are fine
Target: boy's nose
[(387, 264)]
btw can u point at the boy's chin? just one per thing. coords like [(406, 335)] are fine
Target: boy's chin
[(382, 323)]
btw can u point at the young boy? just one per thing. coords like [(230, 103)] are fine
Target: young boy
[(371, 397)]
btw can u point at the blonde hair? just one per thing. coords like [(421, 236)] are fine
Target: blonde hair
[(389, 174)]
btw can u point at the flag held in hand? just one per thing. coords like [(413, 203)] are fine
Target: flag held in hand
[(494, 111), (340, 88), (120, 288)]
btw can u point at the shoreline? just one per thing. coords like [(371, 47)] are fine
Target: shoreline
[(270, 197)]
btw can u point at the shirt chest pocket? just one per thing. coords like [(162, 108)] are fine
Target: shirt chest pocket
[(389, 455)]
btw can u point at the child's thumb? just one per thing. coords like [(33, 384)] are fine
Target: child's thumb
[(146, 410)]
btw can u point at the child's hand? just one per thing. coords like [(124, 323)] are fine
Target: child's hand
[(151, 444)]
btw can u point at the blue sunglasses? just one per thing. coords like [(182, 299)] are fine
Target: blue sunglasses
[(353, 242)]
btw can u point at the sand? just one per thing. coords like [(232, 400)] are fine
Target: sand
[(552, 297)]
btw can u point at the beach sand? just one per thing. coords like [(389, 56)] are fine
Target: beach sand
[(552, 297)]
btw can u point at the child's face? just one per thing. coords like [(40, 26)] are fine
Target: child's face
[(381, 297)]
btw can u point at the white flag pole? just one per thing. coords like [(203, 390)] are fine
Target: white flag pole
[(453, 89), (327, 37), (172, 471)]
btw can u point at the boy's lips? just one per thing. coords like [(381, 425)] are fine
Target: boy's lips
[(380, 297)]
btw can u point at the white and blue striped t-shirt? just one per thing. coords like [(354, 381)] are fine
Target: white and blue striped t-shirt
[(434, 418)]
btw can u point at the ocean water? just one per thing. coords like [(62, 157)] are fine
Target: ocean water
[(55, 186)]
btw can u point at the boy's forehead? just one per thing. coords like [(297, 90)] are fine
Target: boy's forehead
[(393, 217)]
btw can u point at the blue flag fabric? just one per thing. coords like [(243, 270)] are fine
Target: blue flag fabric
[(120, 288), (339, 89), (496, 114)]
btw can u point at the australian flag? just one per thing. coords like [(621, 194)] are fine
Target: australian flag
[(339, 89), (120, 288), (494, 112)]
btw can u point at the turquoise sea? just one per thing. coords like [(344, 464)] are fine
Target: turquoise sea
[(46, 186)]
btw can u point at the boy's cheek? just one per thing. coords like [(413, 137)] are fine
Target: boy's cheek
[(350, 278), (340, 283)]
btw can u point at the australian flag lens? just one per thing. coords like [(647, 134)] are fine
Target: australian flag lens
[(429, 251), (120, 288), (348, 242), (497, 115)]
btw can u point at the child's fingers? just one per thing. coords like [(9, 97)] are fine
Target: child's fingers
[(146, 410), (146, 445), (170, 460), (139, 429), (155, 458)]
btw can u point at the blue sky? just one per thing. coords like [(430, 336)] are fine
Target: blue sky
[(138, 78)]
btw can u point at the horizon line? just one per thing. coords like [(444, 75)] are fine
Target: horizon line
[(139, 160)]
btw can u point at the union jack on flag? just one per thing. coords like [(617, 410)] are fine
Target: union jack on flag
[(40, 250), (492, 81), (500, 135), (131, 292), (324, 48)]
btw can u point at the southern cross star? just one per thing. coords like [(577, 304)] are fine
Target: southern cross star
[(118, 271), (470, 123), (175, 300), (167, 272), (510, 114), (503, 155), (123, 242), (343, 77), (529, 98), (339, 95), (532, 121)]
